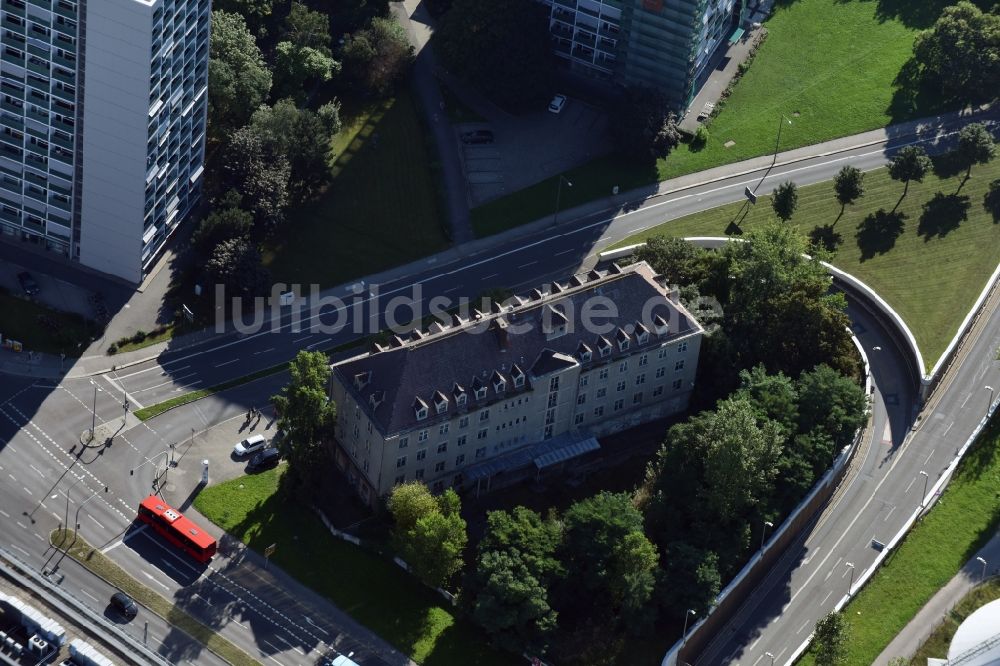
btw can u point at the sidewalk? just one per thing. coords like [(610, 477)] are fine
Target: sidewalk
[(930, 616), (611, 206)]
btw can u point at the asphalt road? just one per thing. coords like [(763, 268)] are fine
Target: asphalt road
[(40, 425)]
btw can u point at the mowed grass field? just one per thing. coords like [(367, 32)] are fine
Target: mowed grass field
[(380, 210), (827, 65), (367, 586), (929, 259), (960, 523)]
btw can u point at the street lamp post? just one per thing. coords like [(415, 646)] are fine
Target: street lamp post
[(93, 412), (923, 498), (562, 179), (983, 562), (66, 493), (684, 634), (763, 533), (768, 654), (990, 403), (778, 140), (850, 565)]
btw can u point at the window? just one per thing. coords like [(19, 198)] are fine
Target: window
[(400, 479), (554, 384), (578, 419), (553, 398), (621, 386), (404, 442), (643, 360), (660, 372), (623, 344), (461, 400), (619, 404), (421, 454), (584, 379), (482, 434), (500, 385), (605, 350), (640, 379), (678, 384), (582, 398), (550, 416), (637, 398), (481, 392), (484, 415), (601, 392), (463, 422), (682, 347), (599, 411), (585, 356), (443, 430), (419, 474), (421, 413), (400, 462), (623, 366), (460, 441), (519, 380), (422, 437), (603, 374), (658, 391), (679, 365), (662, 353), (442, 447), (480, 452), (459, 459), (548, 432), (642, 337), (440, 466)]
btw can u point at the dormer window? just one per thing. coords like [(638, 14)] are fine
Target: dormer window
[(460, 395), (554, 322), (604, 346), (623, 340), (479, 388), (518, 376), (585, 353), (462, 399), (480, 393), (376, 398), (440, 402), (641, 334), (362, 379), (420, 409), (499, 383), (660, 324)]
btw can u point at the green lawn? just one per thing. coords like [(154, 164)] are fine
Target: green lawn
[(937, 643), (369, 587), (962, 521), (832, 62), (931, 274), (41, 329), (380, 210)]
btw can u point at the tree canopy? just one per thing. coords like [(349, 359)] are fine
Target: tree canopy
[(297, 67), (959, 56), (975, 146), (849, 184), (236, 263), (677, 260), (260, 175), (376, 56), (238, 79), (830, 640), (301, 136), (784, 199), (910, 163), (429, 531), (643, 124)]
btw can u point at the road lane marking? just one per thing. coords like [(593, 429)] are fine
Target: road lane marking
[(12, 477), (490, 276), (82, 590), (40, 537), (886, 519), (912, 481), (804, 625), (219, 365), (27, 491), (16, 547), (826, 597), (264, 351), (556, 254), (150, 577), (754, 644), (298, 340), (4, 514), (928, 458), (530, 263), (95, 520), (37, 470), (172, 381)]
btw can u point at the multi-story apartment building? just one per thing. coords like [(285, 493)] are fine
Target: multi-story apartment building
[(519, 390), (664, 44), (102, 125)]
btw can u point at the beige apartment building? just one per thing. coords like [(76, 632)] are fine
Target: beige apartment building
[(517, 392)]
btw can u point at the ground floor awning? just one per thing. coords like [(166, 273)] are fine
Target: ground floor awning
[(541, 454), (736, 36), (565, 452)]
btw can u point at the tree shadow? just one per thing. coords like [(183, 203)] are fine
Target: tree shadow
[(912, 14), (826, 237), (914, 96), (948, 165), (943, 214), (878, 232), (991, 202)]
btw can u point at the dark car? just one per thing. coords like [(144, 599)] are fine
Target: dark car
[(125, 605), (477, 136), (264, 460), (28, 284)]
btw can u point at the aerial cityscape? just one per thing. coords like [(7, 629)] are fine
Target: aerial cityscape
[(464, 332)]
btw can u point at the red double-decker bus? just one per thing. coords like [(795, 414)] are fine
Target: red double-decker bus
[(177, 529)]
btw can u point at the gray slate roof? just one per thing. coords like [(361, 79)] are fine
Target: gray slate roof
[(474, 353)]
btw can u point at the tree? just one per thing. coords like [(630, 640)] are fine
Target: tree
[(959, 57), (259, 175), (991, 200), (975, 146), (524, 533), (830, 640), (503, 49), (254, 12), (690, 579), (910, 163), (609, 561), (225, 222), (236, 263), (429, 535), (677, 260), (773, 396), (784, 199), (643, 124), (376, 56), (849, 185), (307, 418), (307, 27), (301, 136), (831, 402), (238, 79), (297, 66)]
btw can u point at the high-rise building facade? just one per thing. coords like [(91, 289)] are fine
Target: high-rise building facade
[(102, 125), (664, 44)]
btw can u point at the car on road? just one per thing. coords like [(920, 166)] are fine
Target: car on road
[(338, 660), (478, 137), (125, 605), (264, 460), (557, 103), (28, 284), (250, 445)]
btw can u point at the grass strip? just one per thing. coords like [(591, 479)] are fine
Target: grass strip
[(367, 586), (103, 567), (936, 645), (961, 522), (928, 254)]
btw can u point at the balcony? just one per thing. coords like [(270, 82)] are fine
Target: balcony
[(64, 9), (12, 58), (10, 25), (65, 76), (57, 140), (14, 7), (64, 95), (64, 62), (39, 67), (13, 122), (44, 4)]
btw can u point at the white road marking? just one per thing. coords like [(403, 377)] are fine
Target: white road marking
[(754, 644), (4, 514), (219, 365), (172, 381), (297, 340), (83, 591), (948, 428), (556, 254), (826, 597), (12, 477), (928, 458), (886, 519), (95, 520), (37, 470), (16, 547), (530, 263), (40, 537), (491, 275), (912, 481), (966, 399), (150, 577), (804, 625), (264, 351), (27, 491)]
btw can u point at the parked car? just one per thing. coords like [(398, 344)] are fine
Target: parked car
[(478, 136), (125, 605), (264, 460), (28, 284), (250, 445), (557, 103)]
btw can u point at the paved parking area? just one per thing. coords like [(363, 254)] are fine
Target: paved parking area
[(531, 147), (53, 292)]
